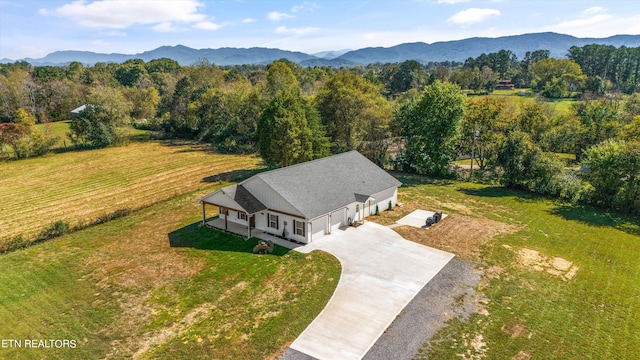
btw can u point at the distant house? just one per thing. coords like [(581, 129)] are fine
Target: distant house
[(505, 85), (76, 112), (306, 201)]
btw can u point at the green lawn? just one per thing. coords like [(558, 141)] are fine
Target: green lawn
[(513, 97), (58, 130), (81, 186), (156, 285), (594, 315)]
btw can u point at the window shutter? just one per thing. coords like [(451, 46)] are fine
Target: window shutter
[(277, 222), (304, 231)]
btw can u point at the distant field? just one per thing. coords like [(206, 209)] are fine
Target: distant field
[(81, 186), (154, 285), (559, 107), (60, 129)]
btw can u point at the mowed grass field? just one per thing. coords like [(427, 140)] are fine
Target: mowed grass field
[(513, 97), (78, 187), (155, 285), (560, 281)]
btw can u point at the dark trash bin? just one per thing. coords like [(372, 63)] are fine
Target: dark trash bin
[(429, 221)]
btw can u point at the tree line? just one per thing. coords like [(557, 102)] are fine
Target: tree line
[(411, 116)]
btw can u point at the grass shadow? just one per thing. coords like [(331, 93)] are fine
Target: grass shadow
[(204, 238), (598, 217), (499, 191), (411, 180), (231, 176), (189, 146)]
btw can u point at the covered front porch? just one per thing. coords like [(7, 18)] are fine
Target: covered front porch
[(232, 227), (241, 230)]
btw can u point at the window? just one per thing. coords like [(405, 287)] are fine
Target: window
[(273, 221), (221, 211), (242, 216), (298, 227)]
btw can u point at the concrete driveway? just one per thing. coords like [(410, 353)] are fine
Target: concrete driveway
[(381, 273)]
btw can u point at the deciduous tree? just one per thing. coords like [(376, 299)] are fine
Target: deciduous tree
[(613, 169), (352, 111), (431, 127), (284, 135)]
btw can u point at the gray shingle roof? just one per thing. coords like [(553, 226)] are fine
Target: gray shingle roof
[(246, 199), (320, 186)]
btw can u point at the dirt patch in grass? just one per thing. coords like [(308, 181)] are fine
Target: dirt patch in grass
[(532, 259), (522, 355), (459, 234), (477, 347), (516, 330), (158, 337)]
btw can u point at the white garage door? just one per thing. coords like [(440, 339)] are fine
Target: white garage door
[(337, 219), (318, 226)]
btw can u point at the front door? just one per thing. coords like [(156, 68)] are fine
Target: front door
[(252, 221)]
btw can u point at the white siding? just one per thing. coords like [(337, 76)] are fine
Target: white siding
[(261, 220), (351, 212), (268, 196), (233, 217), (382, 200), (281, 227)]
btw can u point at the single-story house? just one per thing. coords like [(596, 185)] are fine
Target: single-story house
[(306, 201), (76, 112)]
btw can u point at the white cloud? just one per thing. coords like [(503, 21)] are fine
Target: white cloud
[(452, 1), (277, 16), (248, 20), (595, 10), (166, 27), (207, 25), (114, 33), (472, 16), (296, 31), (307, 5), (118, 14), (597, 22), (586, 22)]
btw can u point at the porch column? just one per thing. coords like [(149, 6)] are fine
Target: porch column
[(248, 225), (204, 215)]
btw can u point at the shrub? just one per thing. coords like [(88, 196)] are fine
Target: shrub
[(15, 243), (54, 230)]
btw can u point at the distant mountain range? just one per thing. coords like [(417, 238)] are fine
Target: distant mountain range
[(459, 50)]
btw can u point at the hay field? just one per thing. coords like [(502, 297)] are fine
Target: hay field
[(79, 187)]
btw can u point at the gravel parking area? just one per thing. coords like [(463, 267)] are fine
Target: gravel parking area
[(428, 312), (424, 315)]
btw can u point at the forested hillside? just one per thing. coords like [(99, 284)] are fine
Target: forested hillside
[(456, 50), (408, 115)]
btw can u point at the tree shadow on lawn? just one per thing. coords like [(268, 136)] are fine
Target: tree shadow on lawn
[(204, 238), (231, 176), (583, 213), (598, 217), (410, 180), (499, 191)]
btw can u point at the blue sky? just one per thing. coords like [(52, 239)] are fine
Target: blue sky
[(34, 28)]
